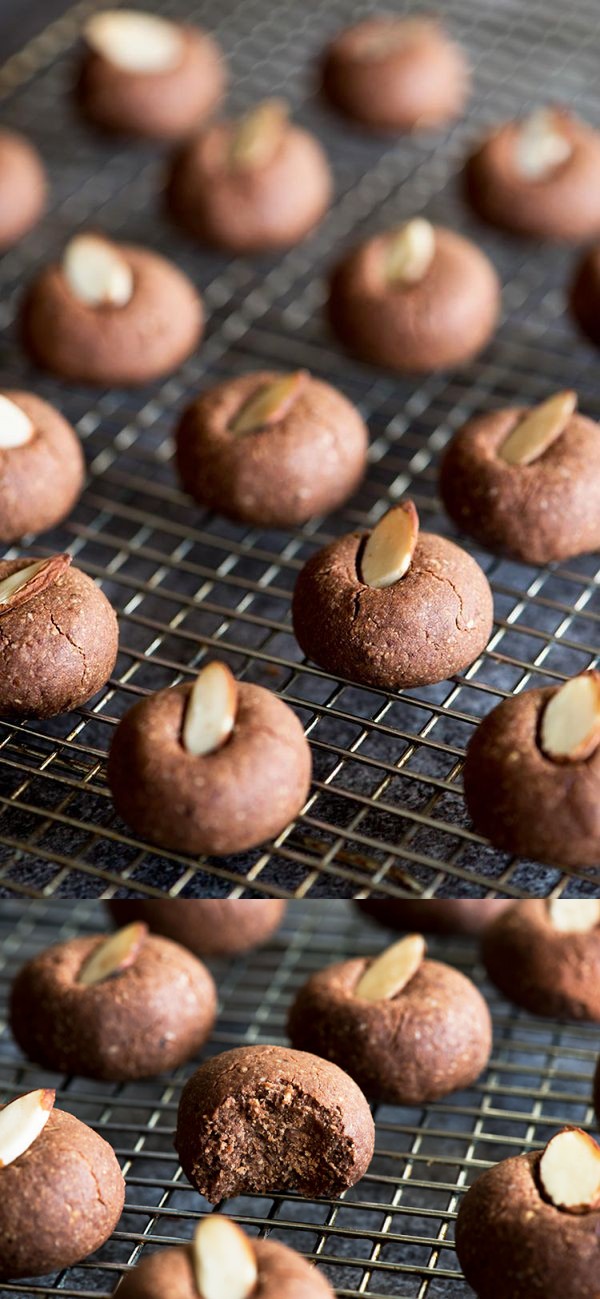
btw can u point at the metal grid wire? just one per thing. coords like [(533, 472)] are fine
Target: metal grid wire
[(393, 1233), (386, 812)]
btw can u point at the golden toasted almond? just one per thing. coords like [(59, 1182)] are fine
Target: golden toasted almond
[(211, 708), (570, 1171), (389, 548), (571, 916), (135, 42), (540, 145), (570, 729), (258, 135), (28, 582), (96, 272), (538, 429), (21, 1122), (386, 976), (394, 35), (16, 427), (114, 955), (409, 252), (224, 1260), (269, 404)]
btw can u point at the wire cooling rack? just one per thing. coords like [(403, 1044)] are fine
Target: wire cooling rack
[(393, 1233), (386, 812)]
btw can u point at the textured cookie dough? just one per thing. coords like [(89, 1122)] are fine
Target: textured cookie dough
[(540, 967), (558, 202), (139, 1021), (136, 343), (270, 198), (396, 74), (434, 917), (23, 188), (207, 927), (265, 1118), (585, 295), (40, 480), (59, 646), (164, 103), (282, 1274), (68, 1164), (441, 321), (223, 802), (539, 512), (266, 475), (433, 1037)]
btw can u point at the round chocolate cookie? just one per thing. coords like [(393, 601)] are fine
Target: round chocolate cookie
[(64, 1165), (252, 185), (433, 916), (548, 970), (248, 447), (431, 622), (111, 314), (22, 188), (539, 177), (536, 498), (218, 801), (130, 1006), (41, 465), (211, 927), (417, 299), (416, 1038), (396, 73), (58, 637), (585, 295), (144, 76), (265, 1118)]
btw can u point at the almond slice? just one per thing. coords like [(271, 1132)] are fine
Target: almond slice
[(16, 427), (30, 581), (540, 145), (389, 548), (21, 1121), (135, 42), (570, 730), (409, 253), (258, 134), (269, 404), (390, 972), (114, 955), (96, 272), (396, 33), (224, 1260), (570, 1171), (538, 429), (210, 713), (571, 916)]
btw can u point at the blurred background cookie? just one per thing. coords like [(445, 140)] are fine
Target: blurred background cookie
[(23, 187)]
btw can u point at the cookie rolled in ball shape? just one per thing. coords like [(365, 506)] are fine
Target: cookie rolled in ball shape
[(433, 916), (144, 76), (260, 1119), (248, 448), (392, 608), (416, 300), (49, 1162), (539, 177), (408, 1030), (516, 1238), (396, 74), (526, 483), (207, 927), (252, 185), (22, 188), (129, 1006), (214, 768), (545, 956), (41, 465), (58, 637), (111, 314), (532, 774)]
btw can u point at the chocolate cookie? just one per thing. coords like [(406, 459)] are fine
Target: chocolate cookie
[(264, 1118), (526, 483), (111, 314), (545, 956), (408, 1030), (514, 1242), (142, 75), (22, 188), (585, 295), (187, 786), (546, 801), (417, 299), (251, 185), (248, 447), (49, 1163), (417, 617), (211, 927), (41, 465), (58, 637), (128, 1006), (396, 73), (433, 916), (539, 177)]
